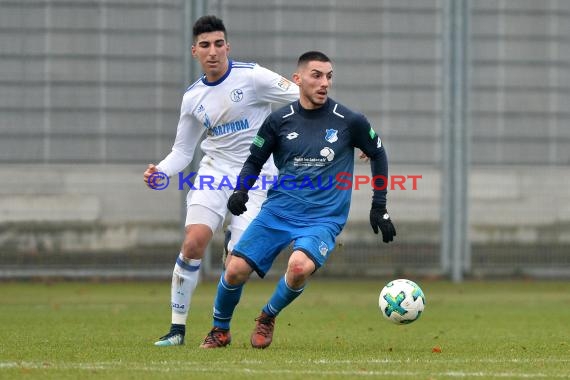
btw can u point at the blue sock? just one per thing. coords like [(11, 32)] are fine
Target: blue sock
[(282, 297), (226, 301)]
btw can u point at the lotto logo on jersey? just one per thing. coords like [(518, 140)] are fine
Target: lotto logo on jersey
[(292, 136)]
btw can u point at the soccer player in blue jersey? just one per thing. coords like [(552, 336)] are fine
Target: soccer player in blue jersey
[(312, 141), (228, 104)]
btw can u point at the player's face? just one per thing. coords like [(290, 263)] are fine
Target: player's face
[(211, 50), (314, 80)]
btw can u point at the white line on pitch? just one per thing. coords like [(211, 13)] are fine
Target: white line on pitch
[(189, 368)]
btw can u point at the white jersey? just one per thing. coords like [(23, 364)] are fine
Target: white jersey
[(230, 111)]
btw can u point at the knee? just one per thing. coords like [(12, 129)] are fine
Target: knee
[(196, 240), (237, 271), (192, 250), (298, 271)]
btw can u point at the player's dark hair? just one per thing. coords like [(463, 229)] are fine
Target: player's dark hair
[(312, 56), (207, 24)]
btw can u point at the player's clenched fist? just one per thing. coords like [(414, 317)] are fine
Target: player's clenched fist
[(237, 201), (148, 172)]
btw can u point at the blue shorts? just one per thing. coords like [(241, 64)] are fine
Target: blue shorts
[(268, 234)]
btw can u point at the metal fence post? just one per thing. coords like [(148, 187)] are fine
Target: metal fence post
[(455, 140)]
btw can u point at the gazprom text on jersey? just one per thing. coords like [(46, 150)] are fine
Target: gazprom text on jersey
[(233, 126)]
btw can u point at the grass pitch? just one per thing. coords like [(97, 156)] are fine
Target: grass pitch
[(483, 330)]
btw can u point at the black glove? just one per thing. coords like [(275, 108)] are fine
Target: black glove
[(237, 201), (379, 219)]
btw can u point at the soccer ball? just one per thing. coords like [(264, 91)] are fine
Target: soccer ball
[(401, 301)]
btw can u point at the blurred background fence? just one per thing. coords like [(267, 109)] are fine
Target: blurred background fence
[(473, 96)]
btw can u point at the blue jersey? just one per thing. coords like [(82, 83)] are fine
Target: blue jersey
[(314, 152)]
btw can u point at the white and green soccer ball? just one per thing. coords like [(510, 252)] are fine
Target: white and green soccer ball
[(402, 301)]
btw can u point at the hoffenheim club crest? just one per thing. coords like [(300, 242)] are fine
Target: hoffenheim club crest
[(323, 249), (332, 135)]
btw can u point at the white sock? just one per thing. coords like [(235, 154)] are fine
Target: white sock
[(184, 281)]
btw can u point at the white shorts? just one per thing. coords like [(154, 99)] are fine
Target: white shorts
[(205, 205)]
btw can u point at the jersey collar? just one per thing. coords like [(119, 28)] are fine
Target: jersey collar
[(315, 112), (205, 81)]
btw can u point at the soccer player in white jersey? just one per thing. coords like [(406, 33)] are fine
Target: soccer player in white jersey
[(228, 103)]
